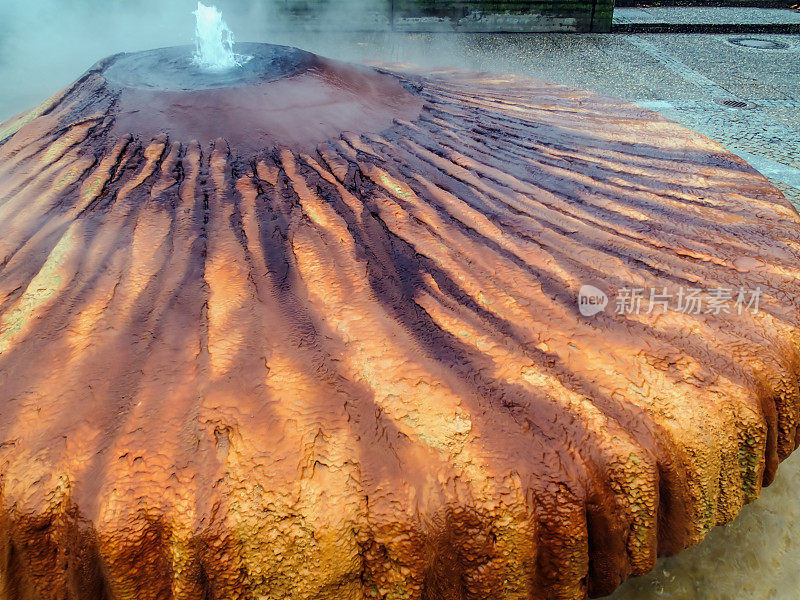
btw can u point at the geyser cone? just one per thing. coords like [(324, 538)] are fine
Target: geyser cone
[(280, 97), (313, 332)]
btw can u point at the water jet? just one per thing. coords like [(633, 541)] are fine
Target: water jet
[(214, 41)]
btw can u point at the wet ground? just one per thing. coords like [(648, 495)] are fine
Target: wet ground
[(741, 90)]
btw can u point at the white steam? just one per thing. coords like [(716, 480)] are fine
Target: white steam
[(214, 41)]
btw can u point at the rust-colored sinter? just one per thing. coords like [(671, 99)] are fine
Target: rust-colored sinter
[(318, 338)]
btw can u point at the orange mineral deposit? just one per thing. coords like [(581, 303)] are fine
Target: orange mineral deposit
[(311, 331)]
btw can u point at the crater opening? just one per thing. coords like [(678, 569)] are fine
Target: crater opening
[(175, 69)]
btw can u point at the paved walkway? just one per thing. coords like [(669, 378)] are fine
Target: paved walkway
[(749, 124), (706, 15)]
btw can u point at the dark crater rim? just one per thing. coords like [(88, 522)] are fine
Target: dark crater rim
[(172, 69)]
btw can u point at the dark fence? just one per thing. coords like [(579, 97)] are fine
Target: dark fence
[(459, 15)]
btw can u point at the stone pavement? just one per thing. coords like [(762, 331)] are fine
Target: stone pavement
[(705, 15), (759, 122), (705, 19)]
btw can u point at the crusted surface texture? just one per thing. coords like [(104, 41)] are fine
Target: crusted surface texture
[(359, 371)]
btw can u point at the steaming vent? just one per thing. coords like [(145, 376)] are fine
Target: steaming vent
[(214, 41)]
